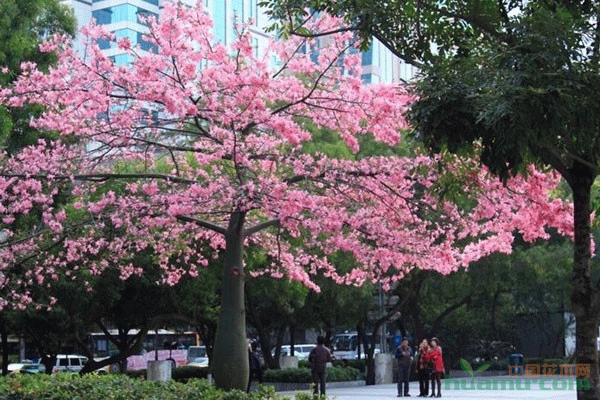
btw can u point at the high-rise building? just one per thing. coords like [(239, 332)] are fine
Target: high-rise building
[(122, 18)]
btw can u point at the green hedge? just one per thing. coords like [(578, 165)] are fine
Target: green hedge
[(358, 364), (118, 387), (179, 374), (303, 375)]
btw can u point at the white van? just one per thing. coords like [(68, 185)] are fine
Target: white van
[(69, 363), (197, 356), (300, 350)]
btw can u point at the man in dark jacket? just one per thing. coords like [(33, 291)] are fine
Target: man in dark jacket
[(404, 356), (318, 358), (255, 367)]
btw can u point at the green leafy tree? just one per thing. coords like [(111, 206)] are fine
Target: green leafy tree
[(45, 332), (23, 24), (195, 302), (516, 79)]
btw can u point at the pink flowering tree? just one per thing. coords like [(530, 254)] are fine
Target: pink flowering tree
[(198, 143)]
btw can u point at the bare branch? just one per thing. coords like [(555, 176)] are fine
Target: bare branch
[(204, 224), (261, 226), (102, 177)]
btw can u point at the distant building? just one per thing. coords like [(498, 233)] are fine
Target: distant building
[(121, 18)]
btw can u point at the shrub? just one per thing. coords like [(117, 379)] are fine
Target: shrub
[(296, 375), (308, 396), (185, 373), (303, 375), (117, 387), (140, 373), (338, 374), (360, 365)]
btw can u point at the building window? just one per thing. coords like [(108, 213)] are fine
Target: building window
[(238, 10), (121, 59), (367, 56), (219, 15), (102, 17), (144, 45), (103, 44), (120, 13)]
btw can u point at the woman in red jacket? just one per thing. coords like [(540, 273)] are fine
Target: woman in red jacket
[(435, 356)]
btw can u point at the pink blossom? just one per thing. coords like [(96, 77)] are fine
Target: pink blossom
[(164, 152)]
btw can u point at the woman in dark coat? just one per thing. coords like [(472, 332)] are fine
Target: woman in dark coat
[(423, 371)]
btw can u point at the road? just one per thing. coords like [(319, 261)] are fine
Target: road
[(501, 388)]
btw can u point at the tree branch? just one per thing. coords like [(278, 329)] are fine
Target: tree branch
[(448, 311), (202, 223), (261, 226), (102, 177)]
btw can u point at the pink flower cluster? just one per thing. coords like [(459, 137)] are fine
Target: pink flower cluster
[(159, 154)]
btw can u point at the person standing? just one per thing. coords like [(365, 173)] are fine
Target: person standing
[(435, 355), (318, 358), (404, 357), (255, 367), (423, 371)]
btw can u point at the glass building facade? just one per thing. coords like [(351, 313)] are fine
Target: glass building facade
[(122, 18)]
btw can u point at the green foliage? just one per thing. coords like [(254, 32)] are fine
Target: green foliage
[(23, 24), (309, 396), (390, 20), (297, 375), (329, 143), (185, 373), (303, 375), (344, 374), (359, 365), (180, 374), (117, 387), (138, 373), (487, 299)]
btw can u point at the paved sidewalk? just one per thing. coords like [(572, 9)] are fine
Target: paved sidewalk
[(485, 388)]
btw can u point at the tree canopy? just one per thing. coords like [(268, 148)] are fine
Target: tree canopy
[(201, 143), (518, 79)]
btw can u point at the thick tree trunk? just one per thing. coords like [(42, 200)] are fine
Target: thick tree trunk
[(584, 296), (292, 329), (230, 359), (369, 348)]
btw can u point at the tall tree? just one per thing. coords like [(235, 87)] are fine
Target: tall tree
[(205, 141), (518, 79), (23, 25)]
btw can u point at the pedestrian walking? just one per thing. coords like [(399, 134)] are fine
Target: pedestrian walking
[(404, 357), (318, 358)]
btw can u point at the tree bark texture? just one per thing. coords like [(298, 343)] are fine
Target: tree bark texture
[(584, 296), (230, 359)]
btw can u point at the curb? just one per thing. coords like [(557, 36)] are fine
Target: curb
[(293, 386)]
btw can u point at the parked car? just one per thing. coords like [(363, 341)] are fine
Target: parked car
[(345, 346), (16, 367), (300, 350), (69, 363), (34, 368), (197, 356)]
